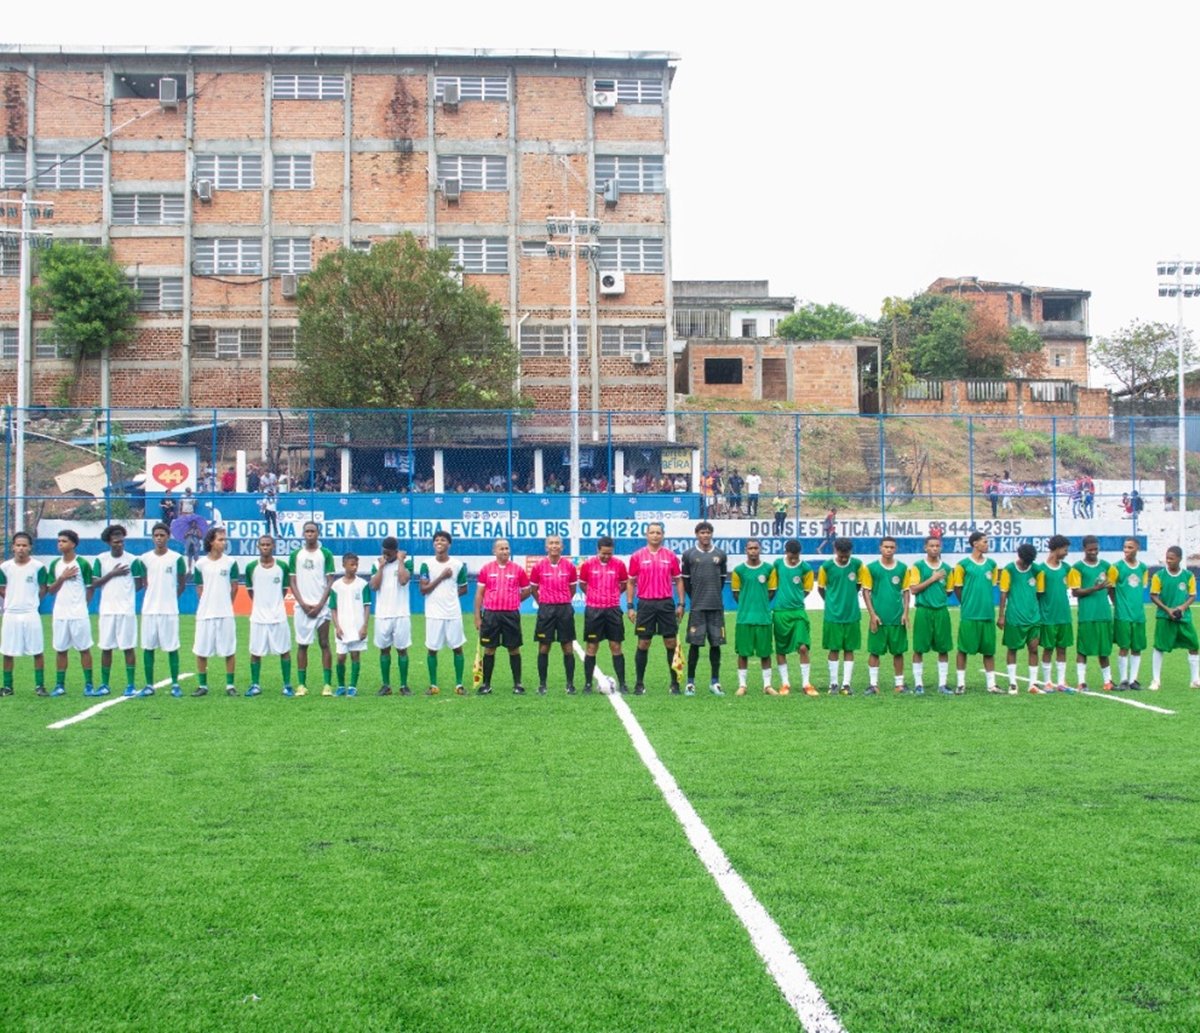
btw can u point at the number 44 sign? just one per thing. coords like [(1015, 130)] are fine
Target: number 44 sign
[(171, 467)]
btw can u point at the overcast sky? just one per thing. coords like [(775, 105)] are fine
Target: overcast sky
[(845, 152)]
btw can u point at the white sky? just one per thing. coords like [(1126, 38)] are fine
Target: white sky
[(845, 152)]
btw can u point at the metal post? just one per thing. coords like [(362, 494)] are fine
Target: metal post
[(971, 465), (108, 465), (796, 450), (212, 461), (882, 479), (1181, 490), (1133, 471), (312, 451), (1054, 474), (508, 426)]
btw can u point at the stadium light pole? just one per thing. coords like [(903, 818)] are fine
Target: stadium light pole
[(1179, 280)]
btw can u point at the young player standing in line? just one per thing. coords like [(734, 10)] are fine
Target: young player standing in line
[(887, 606), (71, 585), (655, 576), (267, 581), (704, 569), (1089, 582), (604, 578), (973, 579), (216, 631), (164, 577), (1172, 591), (553, 580), (1056, 632), (119, 576), (393, 613), (443, 581), (841, 632), (1020, 616), (753, 584), (503, 586), (350, 605), (1129, 578), (927, 582), (789, 619), (22, 586), (312, 573)]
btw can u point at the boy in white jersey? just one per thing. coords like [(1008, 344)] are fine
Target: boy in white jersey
[(443, 582), (22, 585), (118, 576), (393, 613), (311, 568), (267, 581), (71, 585), (216, 633), (350, 602), (164, 576)]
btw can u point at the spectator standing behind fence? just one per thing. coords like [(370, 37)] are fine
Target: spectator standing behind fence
[(753, 487), (1008, 489), (229, 480), (779, 506), (828, 530), (735, 493), (992, 490), (167, 507), (269, 506), (187, 503)]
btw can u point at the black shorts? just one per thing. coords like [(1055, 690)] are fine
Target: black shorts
[(603, 624), (500, 628), (706, 624), (555, 623), (656, 617)]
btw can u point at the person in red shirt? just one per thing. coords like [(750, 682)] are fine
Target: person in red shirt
[(553, 582), (229, 479), (604, 578), (503, 586), (655, 573)]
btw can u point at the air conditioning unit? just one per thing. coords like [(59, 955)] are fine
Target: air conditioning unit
[(640, 358), (452, 190), (604, 94), (204, 190), (289, 283), (612, 282), (168, 92), (450, 96), (612, 193)]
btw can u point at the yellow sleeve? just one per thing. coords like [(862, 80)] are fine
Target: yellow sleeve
[(1155, 586), (1041, 581), (911, 578), (864, 578), (1112, 575), (1005, 580), (735, 582), (808, 581), (956, 578), (821, 581), (1145, 576), (1073, 579), (773, 579), (1191, 584)]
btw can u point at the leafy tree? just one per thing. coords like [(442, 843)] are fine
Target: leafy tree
[(391, 328), (939, 336), (813, 322), (894, 328), (1144, 357)]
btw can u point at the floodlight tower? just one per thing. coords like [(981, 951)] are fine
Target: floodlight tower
[(1179, 279)]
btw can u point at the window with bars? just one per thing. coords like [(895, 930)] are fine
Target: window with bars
[(308, 87), (10, 256), (475, 171), (241, 256), (231, 171), (473, 87), (226, 343), (546, 340), (1050, 390), (292, 172), (701, 322), (47, 345), (477, 254), (291, 255), (362, 245), (158, 293), (630, 340), (70, 171), (634, 173), (281, 342), (8, 342), (147, 209), (632, 254), (632, 91), (12, 170)]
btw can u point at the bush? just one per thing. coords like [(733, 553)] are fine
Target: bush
[(747, 419), (1024, 445), (1079, 453)]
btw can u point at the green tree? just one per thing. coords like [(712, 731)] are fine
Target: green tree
[(939, 337), (1144, 357), (391, 328), (893, 330), (813, 322)]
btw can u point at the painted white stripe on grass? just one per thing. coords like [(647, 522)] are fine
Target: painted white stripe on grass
[(1106, 695), (788, 971), (92, 711)]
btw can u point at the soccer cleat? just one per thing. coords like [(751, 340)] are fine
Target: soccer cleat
[(1063, 687), (254, 690), (384, 690), (1123, 686), (301, 690), (1195, 683), (871, 690), (1081, 687), (231, 690), (102, 691), (1013, 690), (587, 689), (1135, 686), (352, 691), (341, 691), (6, 690), (542, 689), (741, 690), (327, 690), (59, 690), (201, 690), (41, 691), (845, 690), (1154, 686), (570, 690), (640, 690), (405, 690), (433, 690), (811, 690), (129, 691), (995, 690), (287, 691), (833, 689), (1108, 686), (919, 690), (146, 692), (785, 689), (715, 689), (960, 690), (88, 690), (945, 690), (769, 690), (518, 690), (689, 689), (484, 690), (900, 689), (1035, 689), (458, 691)]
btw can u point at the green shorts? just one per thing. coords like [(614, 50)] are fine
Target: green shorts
[(890, 638), (1170, 635), (1057, 636), (1094, 638), (931, 630), (1130, 635), (791, 631), (977, 637), (752, 640), (836, 637), (1018, 635)]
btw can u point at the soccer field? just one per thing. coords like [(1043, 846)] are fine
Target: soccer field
[(971, 863)]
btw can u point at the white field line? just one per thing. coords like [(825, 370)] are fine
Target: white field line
[(788, 971), (92, 711), (1106, 695)]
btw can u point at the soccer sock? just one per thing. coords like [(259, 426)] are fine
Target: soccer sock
[(919, 672), (742, 678), (402, 665), (589, 669), (618, 667), (543, 666), (833, 666), (639, 665), (328, 671), (991, 679), (783, 673), (489, 664), (1012, 674), (341, 672), (873, 676), (569, 665), (943, 672), (514, 665), (385, 667), (229, 678), (8, 679), (804, 670), (148, 665), (105, 673), (1062, 672), (202, 677), (693, 662), (1123, 667), (460, 663), (173, 664), (1033, 674), (431, 666), (130, 673), (1156, 665), (1081, 671), (355, 670), (962, 678), (301, 671), (285, 667), (714, 662), (60, 678), (39, 676), (1135, 663), (1194, 665), (255, 671), (899, 680), (847, 671)]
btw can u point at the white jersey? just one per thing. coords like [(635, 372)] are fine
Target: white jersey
[(443, 602), (310, 568), (391, 597), (71, 601), (22, 585), (216, 577), (118, 596), (162, 575), (269, 585), (349, 600)]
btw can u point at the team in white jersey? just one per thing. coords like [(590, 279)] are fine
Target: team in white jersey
[(22, 586), (216, 633), (393, 613), (70, 582), (117, 576), (267, 583), (311, 568), (164, 576)]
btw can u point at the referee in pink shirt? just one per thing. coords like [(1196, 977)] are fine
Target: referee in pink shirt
[(655, 573), (604, 578), (503, 585), (553, 580)]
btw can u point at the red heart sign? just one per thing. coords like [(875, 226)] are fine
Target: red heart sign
[(169, 475)]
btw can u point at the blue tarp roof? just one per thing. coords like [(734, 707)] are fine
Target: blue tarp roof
[(146, 437)]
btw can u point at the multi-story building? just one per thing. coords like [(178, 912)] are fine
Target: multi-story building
[(219, 177), (715, 309)]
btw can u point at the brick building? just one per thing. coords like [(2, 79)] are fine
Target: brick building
[(220, 176)]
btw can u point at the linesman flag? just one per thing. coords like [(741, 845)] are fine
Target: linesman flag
[(477, 667), (677, 659)]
